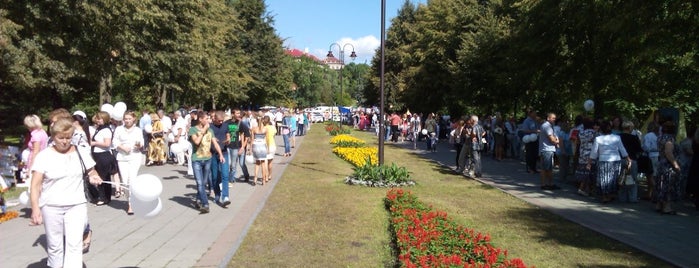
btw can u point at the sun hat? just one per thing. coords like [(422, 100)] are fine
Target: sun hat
[(80, 113)]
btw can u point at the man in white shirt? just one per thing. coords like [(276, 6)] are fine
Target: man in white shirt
[(278, 116), (650, 147)]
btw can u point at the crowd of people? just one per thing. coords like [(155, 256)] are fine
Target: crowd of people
[(607, 158), (95, 159)]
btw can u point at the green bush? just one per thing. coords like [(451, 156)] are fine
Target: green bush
[(380, 176)]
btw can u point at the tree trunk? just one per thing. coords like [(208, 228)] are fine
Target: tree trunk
[(105, 87)]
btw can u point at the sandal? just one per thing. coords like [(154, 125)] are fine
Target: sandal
[(118, 194), (86, 244)]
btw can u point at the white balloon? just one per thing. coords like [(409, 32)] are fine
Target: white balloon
[(177, 148), (108, 108), (249, 159), (424, 131), (24, 198), (146, 187), (146, 209), (117, 114), (120, 106), (589, 105)]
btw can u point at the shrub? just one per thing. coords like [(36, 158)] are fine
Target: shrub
[(380, 176), (428, 238), (344, 140)]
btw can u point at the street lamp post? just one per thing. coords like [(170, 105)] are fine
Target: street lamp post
[(341, 49), (381, 82)]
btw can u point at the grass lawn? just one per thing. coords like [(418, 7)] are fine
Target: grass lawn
[(312, 219)]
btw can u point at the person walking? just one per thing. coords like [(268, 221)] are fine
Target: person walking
[(239, 133), (608, 151), (128, 140), (667, 183), (477, 145), (586, 176), (629, 192), (220, 170), (101, 143), (260, 148), (202, 139), (57, 195)]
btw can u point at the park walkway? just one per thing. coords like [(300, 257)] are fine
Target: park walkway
[(674, 239), (178, 237)]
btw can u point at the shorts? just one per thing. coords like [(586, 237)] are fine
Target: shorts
[(547, 160)]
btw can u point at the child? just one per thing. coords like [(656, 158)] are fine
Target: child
[(433, 142)]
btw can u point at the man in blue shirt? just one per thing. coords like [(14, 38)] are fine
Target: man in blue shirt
[(548, 142), (220, 170)]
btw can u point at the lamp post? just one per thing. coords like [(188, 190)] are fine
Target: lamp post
[(341, 49), (382, 129)]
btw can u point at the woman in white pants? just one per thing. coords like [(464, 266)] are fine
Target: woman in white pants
[(128, 140), (58, 195)]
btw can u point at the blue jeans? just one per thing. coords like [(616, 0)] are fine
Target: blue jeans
[(202, 171), (237, 160), (287, 142), (219, 174)]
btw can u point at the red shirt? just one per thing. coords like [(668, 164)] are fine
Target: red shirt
[(395, 120)]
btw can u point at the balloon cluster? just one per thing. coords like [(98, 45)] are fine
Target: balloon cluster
[(117, 111), (145, 195)]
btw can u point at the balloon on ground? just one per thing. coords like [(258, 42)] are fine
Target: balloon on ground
[(24, 198)]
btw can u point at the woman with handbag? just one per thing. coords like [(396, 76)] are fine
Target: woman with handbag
[(58, 195), (667, 183)]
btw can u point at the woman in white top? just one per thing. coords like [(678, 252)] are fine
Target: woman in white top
[(101, 144), (128, 140), (58, 195), (609, 151)]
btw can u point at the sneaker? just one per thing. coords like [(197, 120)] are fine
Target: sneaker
[(204, 210), (554, 187), (196, 204), (545, 187), (225, 202)]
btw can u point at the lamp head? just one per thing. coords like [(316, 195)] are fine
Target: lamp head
[(330, 54), (353, 55)]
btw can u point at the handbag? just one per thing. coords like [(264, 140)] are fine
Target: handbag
[(86, 177), (645, 165), (625, 178)]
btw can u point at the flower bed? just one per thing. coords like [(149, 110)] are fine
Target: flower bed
[(344, 140), (358, 155), (428, 238), (8, 215), (334, 128)]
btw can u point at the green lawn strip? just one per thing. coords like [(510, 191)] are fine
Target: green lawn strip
[(313, 219)]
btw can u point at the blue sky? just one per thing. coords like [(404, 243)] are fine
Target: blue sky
[(313, 25)]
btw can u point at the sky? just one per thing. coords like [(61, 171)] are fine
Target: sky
[(313, 25)]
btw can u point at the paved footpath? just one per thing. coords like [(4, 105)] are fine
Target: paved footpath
[(674, 239), (178, 237)]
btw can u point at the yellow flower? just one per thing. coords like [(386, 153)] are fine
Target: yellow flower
[(345, 140), (358, 155)]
